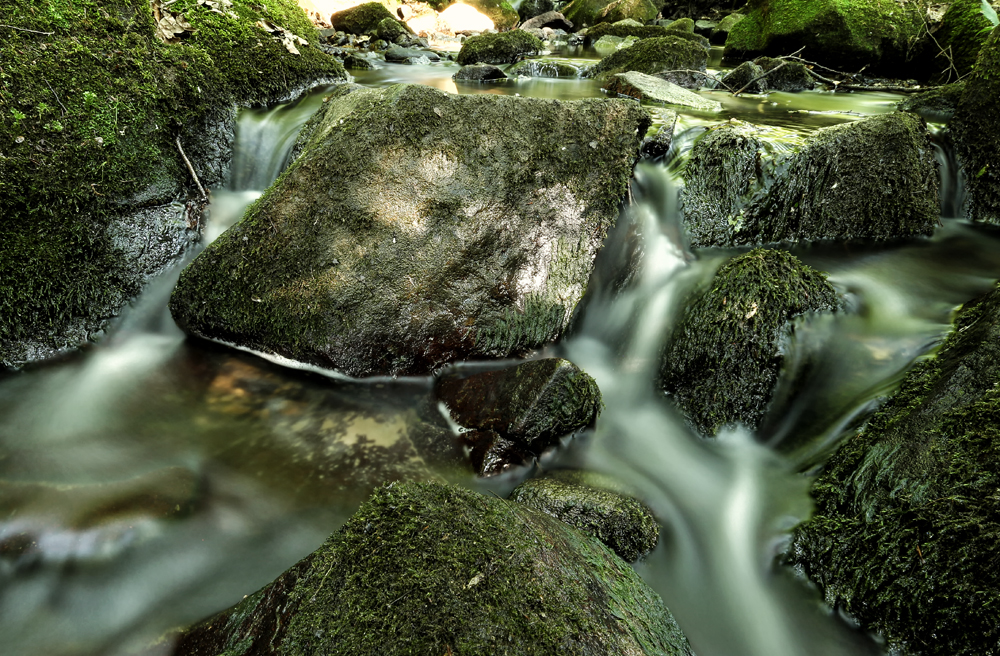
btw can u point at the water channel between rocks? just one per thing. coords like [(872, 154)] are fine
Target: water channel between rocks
[(153, 481)]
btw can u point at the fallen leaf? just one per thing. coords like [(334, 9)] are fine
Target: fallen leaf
[(288, 38), (169, 25), (753, 311)]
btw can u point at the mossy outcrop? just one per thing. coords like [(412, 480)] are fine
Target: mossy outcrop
[(766, 74), (976, 127), (92, 187), (906, 533), (723, 358), (935, 105), (957, 42), (595, 504), (721, 31), (842, 34), (390, 30), (361, 19), (871, 179), (665, 57), (498, 48), (428, 569), (531, 405), (584, 13), (419, 228), (623, 30)]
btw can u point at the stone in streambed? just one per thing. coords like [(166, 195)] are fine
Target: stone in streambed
[(592, 12), (623, 30), (871, 179), (498, 48), (402, 55), (654, 89), (658, 145), (552, 19), (906, 533), (542, 68), (529, 9), (428, 569), (747, 78), (723, 357), (479, 73), (362, 19), (663, 57), (721, 31), (416, 228), (390, 29), (532, 404), (595, 504)]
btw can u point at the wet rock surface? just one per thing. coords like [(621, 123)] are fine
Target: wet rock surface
[(936, 105), (658, 145), (906, 527), (479, 73), (872, 179), (533, 405), (499, 48), (542, 68), (664, 57), (649, 88), (723, 358), (595, 504), (430, 568), (400, 54), (745, 78), (388, 195)]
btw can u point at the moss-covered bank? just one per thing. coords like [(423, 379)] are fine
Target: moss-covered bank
[(430, 569), (723, 358), (91, 103), (906, 535)]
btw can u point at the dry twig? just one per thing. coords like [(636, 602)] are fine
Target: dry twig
[(204, 196)]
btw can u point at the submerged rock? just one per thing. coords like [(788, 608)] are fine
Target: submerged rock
[(597, 505), (498, 48), (419, 228), (723, 358), (906, 532), (842, 35), (871, 179), (532, 404), (479, 73), (428, 569), (646, 87), (591, 12), (361, 19), (543, 68), (665, 57), (976, 127)]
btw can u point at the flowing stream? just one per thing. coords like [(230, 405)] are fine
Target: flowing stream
[(151, 481)]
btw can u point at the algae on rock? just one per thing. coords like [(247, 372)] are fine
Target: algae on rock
[(498, 48), (668, 58), (428, 569), (723, 358), (419, 228), (361, 19), (906, 533)]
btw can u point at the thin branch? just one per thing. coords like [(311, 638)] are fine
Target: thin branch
[(194, 175), (64, 110), (759, 77), (832, 70), (869, 87), (702, 73), (825, 80), (22, 29)]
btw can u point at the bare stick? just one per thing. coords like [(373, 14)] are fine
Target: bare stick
[(22, 29), (64, 110), (759, 77), (819, 77), (194, 175)]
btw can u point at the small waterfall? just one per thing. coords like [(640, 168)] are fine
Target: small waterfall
[(952, 190)]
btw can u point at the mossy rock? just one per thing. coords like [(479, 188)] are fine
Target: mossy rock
[(962, 34), (528, 9), (746, 78), (906, 532), (976, 128), (871, 179), (479, 73), (597, 505), (436, 202), (543, 68), (91, 166), (682, 25), (784, 75), (591, 12), (533, 404), (429, 569), (660, 56), (652, 89), (361, 19), (721, 31), (937, 105), (390, 29), (501, 12), (723, 358), (498, 48), (642, 32), (842, 34)]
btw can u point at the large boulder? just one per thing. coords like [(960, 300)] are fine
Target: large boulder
[(529, 9), (583, 13), (669, 58), (723, 358), (976, 127), (906, 533), (871, 179), (841, 34), (361, 19), (419, 228), (431, 569), (498, 48)]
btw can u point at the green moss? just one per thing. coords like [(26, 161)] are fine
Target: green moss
[(498, 48), (96, 106), (642, 32), (906, 533), (683, 25), (652, 56), (591, 12), (962, 33), (844, 34), (936, 104), (722, 361), (391, 29), (362, 19)]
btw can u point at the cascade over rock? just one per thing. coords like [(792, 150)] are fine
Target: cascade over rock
[(418, 228)]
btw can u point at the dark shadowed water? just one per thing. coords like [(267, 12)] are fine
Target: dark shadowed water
[(152, 481)]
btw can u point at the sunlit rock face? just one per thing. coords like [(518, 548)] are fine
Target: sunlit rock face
[(419, 228)]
